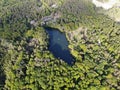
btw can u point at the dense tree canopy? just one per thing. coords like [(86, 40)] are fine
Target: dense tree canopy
[(27, 64)]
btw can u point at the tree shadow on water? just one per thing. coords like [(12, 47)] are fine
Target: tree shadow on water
[(63, 54)]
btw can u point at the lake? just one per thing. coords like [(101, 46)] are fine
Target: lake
[(58, 45)]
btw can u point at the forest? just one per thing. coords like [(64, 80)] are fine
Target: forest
[(27, 64)]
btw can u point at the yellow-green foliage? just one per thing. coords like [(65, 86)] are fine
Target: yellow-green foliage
[(27, 64)]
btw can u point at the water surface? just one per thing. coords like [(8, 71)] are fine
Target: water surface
[(58, 45)]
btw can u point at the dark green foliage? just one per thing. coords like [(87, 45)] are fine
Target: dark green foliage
[(26, 63)]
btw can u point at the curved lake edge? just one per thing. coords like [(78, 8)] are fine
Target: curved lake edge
[(52, 29)]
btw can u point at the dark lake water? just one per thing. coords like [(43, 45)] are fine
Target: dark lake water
[(58, 45)]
